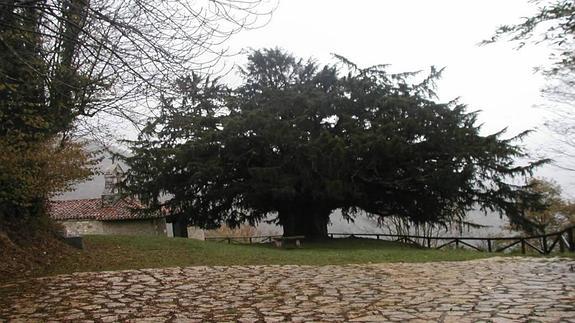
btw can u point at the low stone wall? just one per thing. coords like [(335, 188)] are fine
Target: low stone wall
[(82, 227), (124, 227), (136, 227)]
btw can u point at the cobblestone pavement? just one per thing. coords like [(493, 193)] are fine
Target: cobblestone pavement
[(489, 290)]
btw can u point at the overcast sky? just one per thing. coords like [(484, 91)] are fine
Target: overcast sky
[(412, 35)]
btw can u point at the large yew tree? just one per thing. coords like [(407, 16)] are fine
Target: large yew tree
[(298, 141)]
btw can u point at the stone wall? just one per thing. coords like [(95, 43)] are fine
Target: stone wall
[(125, 227), (82, 227), (136, 227)]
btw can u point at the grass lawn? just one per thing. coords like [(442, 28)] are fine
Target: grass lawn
[(131, 252)]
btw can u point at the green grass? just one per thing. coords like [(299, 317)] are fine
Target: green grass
[(132, 252)]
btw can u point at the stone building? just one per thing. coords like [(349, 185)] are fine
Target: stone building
[(109, 214)]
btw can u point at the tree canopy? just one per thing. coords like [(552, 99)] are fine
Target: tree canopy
[(299, 141)]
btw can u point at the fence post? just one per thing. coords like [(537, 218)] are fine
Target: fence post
[(489, 245), (331, 235), (522, 246), (250, 240), (428, 242), (544, 241), (377, 236), (561, 243), (229, 240), (571, 238), (456, 243)]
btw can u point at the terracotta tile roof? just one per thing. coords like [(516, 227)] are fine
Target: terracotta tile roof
[(91, 209)]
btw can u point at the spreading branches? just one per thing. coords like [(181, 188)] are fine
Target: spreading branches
[(300, 141), (109, 57), (552, 25), (64, 62)]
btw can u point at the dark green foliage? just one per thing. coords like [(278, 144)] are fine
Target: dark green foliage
[(301, 141)]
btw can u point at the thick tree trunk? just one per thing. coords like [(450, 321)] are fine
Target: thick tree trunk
[(288, 221), (315, 225), (309, 223)]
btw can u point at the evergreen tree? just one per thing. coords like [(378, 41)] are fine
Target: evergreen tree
[(301, 141)]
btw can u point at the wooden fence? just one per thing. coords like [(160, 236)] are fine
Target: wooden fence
[(240, 240), (561, 241)]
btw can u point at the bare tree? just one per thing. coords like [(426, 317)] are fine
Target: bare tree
[(553, 25), (111, 58)]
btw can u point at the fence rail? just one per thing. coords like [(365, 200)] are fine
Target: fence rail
[(250, 240), (544, 244)]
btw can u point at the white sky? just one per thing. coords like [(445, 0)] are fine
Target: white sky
[(414, 34)]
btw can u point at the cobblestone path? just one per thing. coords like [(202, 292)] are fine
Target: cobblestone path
[(489, 290)]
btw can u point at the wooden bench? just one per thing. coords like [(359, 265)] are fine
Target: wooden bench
[(281, 241)]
